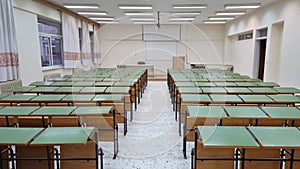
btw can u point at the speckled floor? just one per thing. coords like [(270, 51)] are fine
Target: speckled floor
[(152, 141)]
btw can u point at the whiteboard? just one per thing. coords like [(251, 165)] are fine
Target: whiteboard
[(165, 33), (156, 51)]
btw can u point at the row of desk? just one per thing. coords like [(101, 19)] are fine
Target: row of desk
[(228, 147), (101, 117), (237, 116), (38, 148)]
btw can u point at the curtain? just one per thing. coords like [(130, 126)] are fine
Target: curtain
[(86, 51), (71, 41), (9, 62), (96, 38)]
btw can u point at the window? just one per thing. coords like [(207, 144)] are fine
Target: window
[(50, 43), (245, 36), (92, 46)]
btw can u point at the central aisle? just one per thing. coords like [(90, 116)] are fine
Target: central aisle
[(152, 141)]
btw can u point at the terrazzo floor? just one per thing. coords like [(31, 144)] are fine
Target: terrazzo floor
[(152, 141)]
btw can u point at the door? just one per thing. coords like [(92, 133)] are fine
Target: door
[(262, 57)]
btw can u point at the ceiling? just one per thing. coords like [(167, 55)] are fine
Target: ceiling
[(163, 6)]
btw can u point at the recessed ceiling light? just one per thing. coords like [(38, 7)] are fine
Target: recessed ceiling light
[(242, 6), (190, 6), (214, 22), (142, 19), (182, 19), (142, 7), (230, 13), (92, 13), (186, 13), (139, 13), (81, 6), (108, 22), (143, 22), (220, 18), (103, 18)]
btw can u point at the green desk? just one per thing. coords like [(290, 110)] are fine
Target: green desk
[(237, 90), (263, 90), (118, 90), (285, 99), (189, 90), (20, 89), (99, 116), (199, 116), (18, 98), (245, 84), (225, 99), (284, 113), (17, 136), (76, 148), (84, 84), (225, 84), (267, 84), (50, 98), (219, 143), (256, 99), (44, 89), (40, 83), (213, 90), (93, 90), (3, 95), (62, 84), (68, 90), (205, 84), (52, 111), (76, 79), (244, 115), (16, 111), (102, 98), (78, 98), (287, 90), (57, 79)]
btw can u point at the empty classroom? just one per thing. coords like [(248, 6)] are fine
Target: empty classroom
[(149, 84)]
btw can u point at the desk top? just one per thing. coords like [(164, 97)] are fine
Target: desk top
[(224, 84), (206, 111), (104, 84), (83, 84), (124, 83), (78, 97), (44, 89), (60, 84), (18, 110), (17, 136), (92, 110), (195, 97), (40, 83), (226, 136), (21, 88), (277, 136), (245, 112), (237, 90), (117, 90), (53, 111), (63, 135), (256, 99), (18, 97), (285, 98), (225, 98), (3, 95), (287, 90), (215, 90), (245, 84), (93, 90), (108, 97), (204, 84), (49, 97), (282, 112), (264, 90), (189, 90), (267, 84), (68, 90)]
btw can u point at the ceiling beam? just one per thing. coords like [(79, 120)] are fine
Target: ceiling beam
[(67, 11)]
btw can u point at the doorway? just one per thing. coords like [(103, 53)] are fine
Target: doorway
[(260, 54), (262, 58)]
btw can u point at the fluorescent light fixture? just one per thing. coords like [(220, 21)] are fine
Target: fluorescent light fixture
[(182, 19), (92, 13), (81, 6), (141, 7), (143, 22), (190, 6), (142, 19), (139, 13), (108, 22), (186, 13), (230, 13), (179, 22), (220, 18), (103, 18), (242, 6), (214, 22)]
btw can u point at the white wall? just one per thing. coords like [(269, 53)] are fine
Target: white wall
[(287, 11), (123, 44)]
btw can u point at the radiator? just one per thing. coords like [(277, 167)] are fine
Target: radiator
[(6, 85)]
